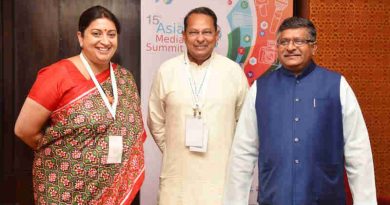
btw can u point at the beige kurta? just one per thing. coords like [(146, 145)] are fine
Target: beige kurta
[(193, 178)]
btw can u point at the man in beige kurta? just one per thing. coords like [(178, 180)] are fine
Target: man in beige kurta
[(193, 177)]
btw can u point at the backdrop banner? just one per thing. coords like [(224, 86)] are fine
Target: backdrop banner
[(247, 36)]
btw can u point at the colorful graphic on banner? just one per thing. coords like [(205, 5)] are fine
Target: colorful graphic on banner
[(252, 38), (247, 36)]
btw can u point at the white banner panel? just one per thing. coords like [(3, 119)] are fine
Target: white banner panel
[(247, 37)]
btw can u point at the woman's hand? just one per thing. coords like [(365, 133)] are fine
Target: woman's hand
[(30, 121)]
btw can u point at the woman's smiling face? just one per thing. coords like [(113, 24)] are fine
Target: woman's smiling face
[(99, 41)]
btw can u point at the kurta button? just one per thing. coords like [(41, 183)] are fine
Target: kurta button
[(296, 161), (296, 139), (296, 119), (297, 81), (296, 99)]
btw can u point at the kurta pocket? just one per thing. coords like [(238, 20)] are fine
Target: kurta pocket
[(328, 181), (267, 181)]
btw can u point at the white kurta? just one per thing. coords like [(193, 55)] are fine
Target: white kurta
[(193, 178), (357, 151)]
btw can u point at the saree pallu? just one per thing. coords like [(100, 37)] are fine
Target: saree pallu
[(70, 165)]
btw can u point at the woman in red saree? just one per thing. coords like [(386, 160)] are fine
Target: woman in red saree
[(83, 119)]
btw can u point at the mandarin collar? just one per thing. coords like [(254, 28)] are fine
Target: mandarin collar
[(306, 71), (204, 64)]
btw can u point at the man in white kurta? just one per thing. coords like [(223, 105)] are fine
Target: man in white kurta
[(195, 177)]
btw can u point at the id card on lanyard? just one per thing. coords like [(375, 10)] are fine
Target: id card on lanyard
[(196, 134), (115, 144), (196, 129)]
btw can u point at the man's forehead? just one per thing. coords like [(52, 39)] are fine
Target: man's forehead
[(200, 26), (300, 29), (295, 31)]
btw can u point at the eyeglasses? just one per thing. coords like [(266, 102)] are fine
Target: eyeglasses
[(296, 42)]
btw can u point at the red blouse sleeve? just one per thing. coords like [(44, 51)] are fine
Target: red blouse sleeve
[(60, 83), (47, 87)]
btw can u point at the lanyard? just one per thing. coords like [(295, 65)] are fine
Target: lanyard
[(195, 90), (111, 108)]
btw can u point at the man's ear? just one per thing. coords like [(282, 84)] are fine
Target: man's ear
[(314, 50), (183, 34), (217, 33)]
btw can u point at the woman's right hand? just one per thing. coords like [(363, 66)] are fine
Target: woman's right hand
[(28, 126)]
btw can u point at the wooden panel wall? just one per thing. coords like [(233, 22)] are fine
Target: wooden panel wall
[(354, 39), (34, 34)]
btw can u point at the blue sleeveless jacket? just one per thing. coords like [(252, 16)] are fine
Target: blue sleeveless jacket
[(301, 155)]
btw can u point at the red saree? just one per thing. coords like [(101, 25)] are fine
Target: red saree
[(70, 164)]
